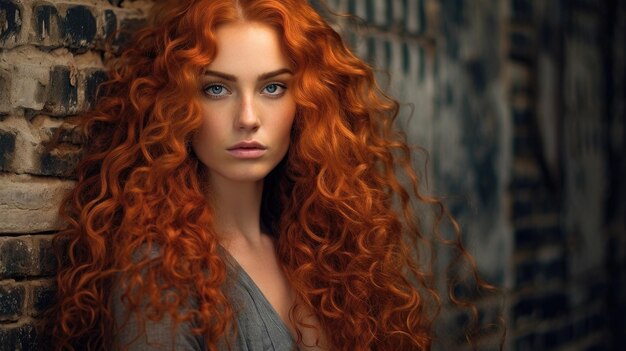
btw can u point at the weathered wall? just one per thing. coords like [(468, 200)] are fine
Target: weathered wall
[(50, 65), (520, 104), (562, 178), (471, 151)]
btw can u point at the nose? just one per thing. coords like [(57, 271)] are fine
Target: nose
[(247, 118)]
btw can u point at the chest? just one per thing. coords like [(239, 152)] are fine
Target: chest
[(268, 279)]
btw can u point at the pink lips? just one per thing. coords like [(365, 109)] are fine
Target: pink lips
[(247, 149)]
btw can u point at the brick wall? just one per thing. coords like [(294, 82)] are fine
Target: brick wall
[(564, 215), (50, 65), (520, 103)]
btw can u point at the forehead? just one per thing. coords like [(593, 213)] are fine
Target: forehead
[(248, 47)]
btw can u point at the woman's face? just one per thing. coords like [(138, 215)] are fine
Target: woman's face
[(248, 108)]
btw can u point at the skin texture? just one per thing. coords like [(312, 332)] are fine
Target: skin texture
[(247, 109)]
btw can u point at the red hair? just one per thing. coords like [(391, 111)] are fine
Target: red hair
[(349, 255)]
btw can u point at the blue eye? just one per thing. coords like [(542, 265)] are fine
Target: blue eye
[(274, 89), (271, 88), (216, 90)]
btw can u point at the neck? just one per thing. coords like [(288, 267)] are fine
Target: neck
[(237, 209)]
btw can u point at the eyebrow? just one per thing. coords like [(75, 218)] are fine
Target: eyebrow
[(262, 76)]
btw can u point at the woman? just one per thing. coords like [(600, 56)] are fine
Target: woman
[(239, 191)]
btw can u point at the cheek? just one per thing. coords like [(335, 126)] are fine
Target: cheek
[(285, 122), (283, 135), (206, 137)]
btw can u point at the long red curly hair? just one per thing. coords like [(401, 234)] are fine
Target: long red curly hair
[(345, 230)]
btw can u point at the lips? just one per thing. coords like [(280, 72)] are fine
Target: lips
[(247, 150)]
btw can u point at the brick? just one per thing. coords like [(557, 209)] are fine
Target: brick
[(62, 96), (415, 16), (43, 297), (28, 85), (79, 27), (542, 203), (352, 7), (47, 25), (33, 153), (10, 23), (5, 91), (536, 273), (407, 16), (20, 336), (17, 257), (21, 159), (375, 13), (30, 204), (12, 298), (7, 148), (60, 161), (110, 23), (532, 238), (389, 13), (406, 58), (26, 256), (46, 127), (388, 53), (421, 17), (47, 263), (128, 26), (399, 13), (93, 79), (421, 64), (540, 307)]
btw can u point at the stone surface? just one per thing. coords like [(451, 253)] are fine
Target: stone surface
[(11, 301), (20, 336), (43, 296), (17, 257), (30, 204), (50, 67), (79, 26), (10, 21), (472, 133)]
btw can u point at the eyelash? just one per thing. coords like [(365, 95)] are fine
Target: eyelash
[(207, 87)]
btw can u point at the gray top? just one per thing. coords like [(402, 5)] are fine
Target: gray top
[(259, 327)]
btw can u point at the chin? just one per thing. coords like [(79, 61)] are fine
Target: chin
[(245, 175)]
